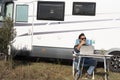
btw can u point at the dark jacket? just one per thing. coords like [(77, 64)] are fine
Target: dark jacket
[(75, 49)]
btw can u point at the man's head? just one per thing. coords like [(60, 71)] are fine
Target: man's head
[(82, 37)]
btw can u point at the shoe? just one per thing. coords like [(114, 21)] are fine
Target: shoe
[(77, 75), (75, 71), (88, 76)]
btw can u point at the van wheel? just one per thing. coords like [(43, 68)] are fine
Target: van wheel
[(114, 64)]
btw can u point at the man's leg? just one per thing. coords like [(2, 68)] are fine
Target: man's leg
[(92, 63)]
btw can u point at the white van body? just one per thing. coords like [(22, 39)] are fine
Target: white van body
[(56, 39)]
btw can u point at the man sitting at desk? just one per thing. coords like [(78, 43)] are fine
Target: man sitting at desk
[(87, 61)]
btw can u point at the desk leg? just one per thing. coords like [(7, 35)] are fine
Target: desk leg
[(78, 74), (78, 67), (105, 68)]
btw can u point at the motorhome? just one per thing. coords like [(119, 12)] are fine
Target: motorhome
[(49, 28)]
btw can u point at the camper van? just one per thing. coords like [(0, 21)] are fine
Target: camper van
[(49, 28)]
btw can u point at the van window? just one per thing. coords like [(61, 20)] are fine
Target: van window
[(6, 10), (84, 8), (49, 10), (9, 10), (21, 13)]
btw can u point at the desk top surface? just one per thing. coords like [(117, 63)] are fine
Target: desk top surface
[(95, 55)]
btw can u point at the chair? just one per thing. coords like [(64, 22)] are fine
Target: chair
[(75, 75)]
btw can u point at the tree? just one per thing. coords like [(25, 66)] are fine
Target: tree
[(7, 35)]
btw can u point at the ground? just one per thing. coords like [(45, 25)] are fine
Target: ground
[(42, 70)]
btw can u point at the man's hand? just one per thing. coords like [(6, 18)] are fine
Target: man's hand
[(83, 42)]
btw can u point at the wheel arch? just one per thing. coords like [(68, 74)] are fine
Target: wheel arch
[(113, 51)]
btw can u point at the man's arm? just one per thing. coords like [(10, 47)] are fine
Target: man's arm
[(77, 47)]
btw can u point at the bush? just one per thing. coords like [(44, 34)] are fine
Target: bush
[(7, 35)]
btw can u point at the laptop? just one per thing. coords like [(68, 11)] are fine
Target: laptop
[(87, 50)]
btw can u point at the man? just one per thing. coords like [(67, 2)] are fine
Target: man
[(87, 61)]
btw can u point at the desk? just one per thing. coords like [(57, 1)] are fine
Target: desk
[(104, 57)]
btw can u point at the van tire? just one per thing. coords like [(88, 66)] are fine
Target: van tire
[(114, 63)]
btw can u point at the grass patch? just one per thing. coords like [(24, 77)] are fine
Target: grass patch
[(44, 71)]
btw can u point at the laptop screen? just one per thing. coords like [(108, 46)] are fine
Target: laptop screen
[(87, 50)]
